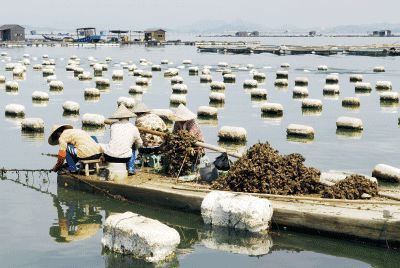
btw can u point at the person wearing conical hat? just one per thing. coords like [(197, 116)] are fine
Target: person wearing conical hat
[(74, 145), (124, 140), (186, 120), (151, 121)]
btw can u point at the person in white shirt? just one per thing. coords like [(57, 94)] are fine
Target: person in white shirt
[(124, 140)]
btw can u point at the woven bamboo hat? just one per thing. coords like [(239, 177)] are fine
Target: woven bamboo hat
[(141, 108), (53, 138), (183, 114), (122, 112)]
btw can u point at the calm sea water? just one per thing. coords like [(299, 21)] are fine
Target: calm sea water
[(61, 228)]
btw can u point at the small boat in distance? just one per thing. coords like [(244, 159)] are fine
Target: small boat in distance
[(87, 35)]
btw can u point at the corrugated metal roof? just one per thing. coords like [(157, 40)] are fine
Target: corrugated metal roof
[(9, 26)]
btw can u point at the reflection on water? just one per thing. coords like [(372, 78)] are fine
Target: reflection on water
[(32, 136)]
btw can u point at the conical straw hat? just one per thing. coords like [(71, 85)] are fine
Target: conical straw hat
[(183, 114), (53, 138), (141, 108), (122, 112)]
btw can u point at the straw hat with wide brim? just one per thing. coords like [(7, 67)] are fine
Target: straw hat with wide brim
[(141, 108), (122, 112), (53, 138), (183, 114)]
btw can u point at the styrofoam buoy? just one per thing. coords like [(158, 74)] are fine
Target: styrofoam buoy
[(18, 72), (392, 97), (147, 74), (35, 125), (126, 101), (40, 96), (383, 85), (226, 71), (92, 120), (362, 87), (222, 64), (102, 82), (301, 81), (179, 88), (205, 78), (194, 70), (217, 97), (85, 76), (386, 173), (78, 70), (156, 68), (12, 86), (205, 71), (282, 74), (232, 134), (207, 112), (165, 62), (237, 211), (379, 69), (351, 102), (118, 75), (300, 131), (229, 78), (332, 79), (108, 59), (272, 109), (2, 79), (322, 68), (56, 85), (176, 80), (138, 72), (281, 83), (300, 92), (259, 76), (143, 238), (186, 62), (285, 65), (37, 67), (250, 83), (171, 72), (91, 93), (258, 93), (314, 104), (356, 78), (142, 81), (9, 66), (217, 85), (350, 123), (177, 99), (134, 90), (70, 67), (26, 62), (166, 115), (71, 107), (331, 89), (15, 110), (47, 72)]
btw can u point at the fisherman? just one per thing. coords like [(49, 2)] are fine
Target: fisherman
[(124, 140), (186, 120), (75, 145), (151, 121)]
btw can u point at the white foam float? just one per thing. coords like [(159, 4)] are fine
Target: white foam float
[(143, 238), (383, 85), (179, 88), (259, 76), (108, 59), (379, 69), (47, 72), (332, 79), (171, 72), (91, 92), (273, 109), (176, 80), (132, 67), (217, 97), (351, 102), (138, 72), (126, 101), (187, 62), (193, 70), (226, 71), (93, 120), (56, 85), (250, 83), (301, 81), (232, 134), (12, 86), (217, 85), (258, 93), (165, 62), (314, 104), (322, 68), (389, 97), (301, 131), (51, 78), (205, 71), (98, 69), (85, 76), (142, 60), (281, 82), (26, 62), (222, 64), (282, 74), (177, 99), (300, 92), (362, 86), (142, 81), (356, 78), (118, 75), (205, 78), (15, 110), (3, 54), (147, 74), (40, 96), (2, 79), (35, 125), (156, 68), (102, 82), (78, 70), (71, 107), (237, 211), (229, 78), (386, 173), (207, 112), (351, 123), (10, 66), (136, 90), (331, 89), (70, 68), (37, 67)]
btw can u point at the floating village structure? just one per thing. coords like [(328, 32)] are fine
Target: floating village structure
[(12, 33)]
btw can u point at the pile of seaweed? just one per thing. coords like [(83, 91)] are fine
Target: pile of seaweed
[(179, 152), (263, 170)]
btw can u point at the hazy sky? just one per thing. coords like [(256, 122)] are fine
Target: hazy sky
[(138, 14)]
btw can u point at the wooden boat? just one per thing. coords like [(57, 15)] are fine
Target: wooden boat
[(376, 220), (87, 35)]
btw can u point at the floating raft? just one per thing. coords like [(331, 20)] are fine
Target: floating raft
[(360, 219)]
